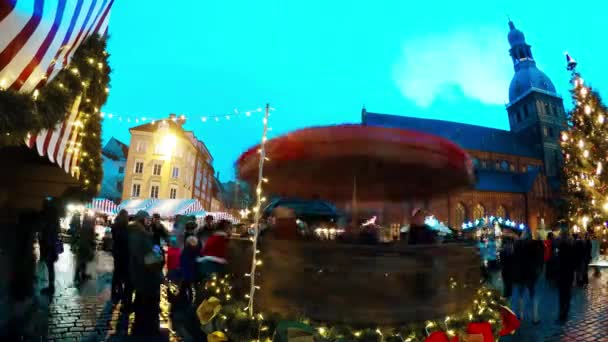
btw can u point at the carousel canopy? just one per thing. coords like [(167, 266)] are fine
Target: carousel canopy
[(380, 163)]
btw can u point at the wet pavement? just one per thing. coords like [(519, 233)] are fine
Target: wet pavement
[(86, 313), (588, 320)]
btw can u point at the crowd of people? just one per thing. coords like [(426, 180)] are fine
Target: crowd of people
[(140, 260), (528, 265)]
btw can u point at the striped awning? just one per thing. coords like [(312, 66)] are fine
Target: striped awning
[(103, 205), (38, 38), (220, 215), (172, 207), (134, 205)]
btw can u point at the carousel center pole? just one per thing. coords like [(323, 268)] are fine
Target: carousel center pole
[(257, 213)]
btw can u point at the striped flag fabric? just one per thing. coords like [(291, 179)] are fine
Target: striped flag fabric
[(38, 38)]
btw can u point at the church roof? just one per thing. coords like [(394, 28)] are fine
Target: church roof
[(527, 77), (500, 181), (469, 137)]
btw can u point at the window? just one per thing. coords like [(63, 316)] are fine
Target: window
[(459, 215), (121, 169), (139, 167), (175, 172), (158, 149), (135, 190), (154, 191), (478, 212), (545, 131), (140, 147), (157, 169), (501, 212)]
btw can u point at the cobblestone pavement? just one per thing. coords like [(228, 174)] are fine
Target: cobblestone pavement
[(588, 321), (86, 313)]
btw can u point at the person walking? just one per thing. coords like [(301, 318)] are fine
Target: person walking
[(529, 263), (85, 248), (121, 288), (507, 265), (145, 270), (188, 267), (50, 244), (566, 265)]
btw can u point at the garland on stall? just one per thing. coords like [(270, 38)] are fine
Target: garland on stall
[(226, 320), (88, 76), (490, 221)]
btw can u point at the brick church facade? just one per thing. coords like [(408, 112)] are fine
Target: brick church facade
[(517, 170)]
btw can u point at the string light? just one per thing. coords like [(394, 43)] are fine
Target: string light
[(255, 262)]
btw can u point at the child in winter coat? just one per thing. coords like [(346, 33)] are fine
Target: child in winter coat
[(173, 258), (188, 267)]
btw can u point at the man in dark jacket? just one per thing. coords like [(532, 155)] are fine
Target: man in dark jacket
[(121, 284), (145, 269), (205, 231), (566, 265), (159, 231), (50, 245)]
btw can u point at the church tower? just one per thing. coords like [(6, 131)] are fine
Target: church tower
[(536, 111)]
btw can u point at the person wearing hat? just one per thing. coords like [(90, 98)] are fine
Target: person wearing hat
[(145, 268)]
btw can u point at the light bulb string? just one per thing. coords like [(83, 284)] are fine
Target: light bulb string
[(256, 225)]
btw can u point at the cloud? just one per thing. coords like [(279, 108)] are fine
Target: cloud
[(477, 62)]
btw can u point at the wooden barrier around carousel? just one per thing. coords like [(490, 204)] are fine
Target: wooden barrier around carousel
[(358, 284)]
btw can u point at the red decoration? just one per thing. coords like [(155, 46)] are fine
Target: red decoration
[(510, 323), (484, 329), (437, 336)]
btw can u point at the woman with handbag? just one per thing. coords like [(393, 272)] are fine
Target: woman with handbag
[(145, 270)]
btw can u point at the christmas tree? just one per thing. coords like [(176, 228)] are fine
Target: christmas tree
[(585, 150)]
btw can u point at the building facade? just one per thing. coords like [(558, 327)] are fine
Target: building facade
[(517, 170), (167, 162), (114, 161)]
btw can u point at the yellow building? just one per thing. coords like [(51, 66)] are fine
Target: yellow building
[(167, 162)]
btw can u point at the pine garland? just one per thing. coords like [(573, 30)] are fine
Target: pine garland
[(87, 75)]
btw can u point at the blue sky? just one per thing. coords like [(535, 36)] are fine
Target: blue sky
[(317, 62)]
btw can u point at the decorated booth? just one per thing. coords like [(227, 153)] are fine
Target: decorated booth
[(54, 79)]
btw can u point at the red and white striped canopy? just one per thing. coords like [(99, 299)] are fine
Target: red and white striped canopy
[(37, 39)]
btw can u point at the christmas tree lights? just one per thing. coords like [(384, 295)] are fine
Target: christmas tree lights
[(585, 150)]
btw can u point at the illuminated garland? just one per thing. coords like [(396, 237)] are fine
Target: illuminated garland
[(487, 221), (88, 76), (137, 119), (220, 315)]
